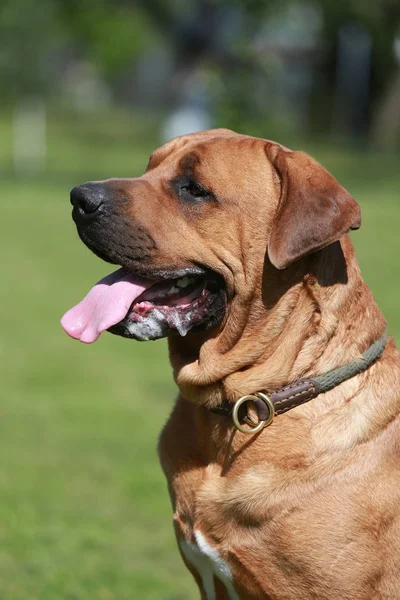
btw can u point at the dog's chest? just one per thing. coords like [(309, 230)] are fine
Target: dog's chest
[(207, 560)]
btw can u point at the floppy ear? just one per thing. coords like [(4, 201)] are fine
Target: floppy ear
[(314, 209)]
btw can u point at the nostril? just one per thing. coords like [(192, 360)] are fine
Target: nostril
[(87, 198)]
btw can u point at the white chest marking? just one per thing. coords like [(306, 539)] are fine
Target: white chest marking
[(207, 562)]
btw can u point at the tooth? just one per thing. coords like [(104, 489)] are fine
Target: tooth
[(173, 290), (183, 282)]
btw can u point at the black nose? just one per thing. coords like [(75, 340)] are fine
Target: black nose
[(88, 197)]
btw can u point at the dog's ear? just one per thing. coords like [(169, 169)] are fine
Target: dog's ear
[(314, 209)]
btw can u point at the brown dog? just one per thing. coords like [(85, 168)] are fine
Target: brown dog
[(236, 249)]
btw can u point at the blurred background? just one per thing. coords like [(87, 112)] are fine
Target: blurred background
[(88, 89)]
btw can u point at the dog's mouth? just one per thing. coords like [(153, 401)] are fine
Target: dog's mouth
[(147, 309)]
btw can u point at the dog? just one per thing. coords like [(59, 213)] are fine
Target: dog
[(237, 249)]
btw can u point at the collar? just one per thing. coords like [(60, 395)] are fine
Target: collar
[(267, 406)]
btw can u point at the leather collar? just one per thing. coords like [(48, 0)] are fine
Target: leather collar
[(268, 405)]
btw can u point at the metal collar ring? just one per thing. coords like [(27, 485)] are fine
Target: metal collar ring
[(262, 423)]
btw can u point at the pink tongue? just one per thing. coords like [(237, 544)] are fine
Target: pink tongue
[(106, 304)]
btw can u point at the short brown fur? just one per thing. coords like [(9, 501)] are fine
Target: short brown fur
[(308, 508)]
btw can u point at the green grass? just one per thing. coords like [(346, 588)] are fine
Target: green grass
[(84, 510)]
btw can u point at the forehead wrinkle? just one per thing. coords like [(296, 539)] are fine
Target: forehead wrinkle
[(197, 140), (197, 157), (159, 155), (189, 162)]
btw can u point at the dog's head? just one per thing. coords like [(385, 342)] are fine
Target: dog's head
[(193, 234)]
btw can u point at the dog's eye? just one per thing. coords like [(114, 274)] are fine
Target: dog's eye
[(194, 190)]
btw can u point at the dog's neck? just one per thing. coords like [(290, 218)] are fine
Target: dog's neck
[(289, 330)]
